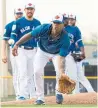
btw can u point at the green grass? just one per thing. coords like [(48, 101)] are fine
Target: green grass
[(9, 98), (48, 106)]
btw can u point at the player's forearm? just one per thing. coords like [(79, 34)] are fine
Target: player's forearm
[(61, 64), (24, 39), (82, 50), (4, 43)]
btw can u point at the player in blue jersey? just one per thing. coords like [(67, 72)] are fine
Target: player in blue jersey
[(26, 52), (74, 36), (80, 73), (53, 43), (7, 34)]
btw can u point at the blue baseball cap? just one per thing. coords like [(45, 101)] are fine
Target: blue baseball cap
[(58, 19)]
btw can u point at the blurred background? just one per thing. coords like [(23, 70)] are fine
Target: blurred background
[(87, 21)]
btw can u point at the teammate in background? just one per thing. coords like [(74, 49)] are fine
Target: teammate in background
[(80, 73), (26, 52), (18, 13), (74, 36), (53, 43)]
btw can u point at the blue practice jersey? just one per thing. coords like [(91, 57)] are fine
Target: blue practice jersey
[(23, 26), (77, 49), (75, 37), (8, 30), (59, 45)]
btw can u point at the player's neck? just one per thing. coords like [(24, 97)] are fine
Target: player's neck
[(29, 18), (55, 34), (70, 24)]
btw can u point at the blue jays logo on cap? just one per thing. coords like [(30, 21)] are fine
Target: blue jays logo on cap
[(18, 10), (58, 19), (30, 5)]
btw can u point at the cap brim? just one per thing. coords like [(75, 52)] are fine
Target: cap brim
[(19, 13), (65, 18), (30, 7), (72, 18), (56, 21)]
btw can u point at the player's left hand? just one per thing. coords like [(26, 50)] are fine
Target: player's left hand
[(78, 56), (83, 56), (66, 85), (15, 50)]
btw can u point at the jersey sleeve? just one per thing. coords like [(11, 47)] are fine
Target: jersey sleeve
[(64, 49), (79, 38), (37, 31), (39, 23), (15, 31), (7, 33)]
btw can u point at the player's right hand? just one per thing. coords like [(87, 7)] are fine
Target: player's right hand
[(15, 50), (4, 59)]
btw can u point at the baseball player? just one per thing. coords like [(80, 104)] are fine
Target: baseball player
[(80, 73), (74, 36), (26, 52), (53, 43), (7, 34)]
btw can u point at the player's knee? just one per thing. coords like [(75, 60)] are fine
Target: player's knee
[(38, 71)]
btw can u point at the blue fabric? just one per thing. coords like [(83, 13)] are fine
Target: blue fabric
[(48, 44), (75, 37), (23, 26), (7, 31)]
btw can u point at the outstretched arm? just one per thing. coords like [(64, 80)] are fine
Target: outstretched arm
[(61, 64), (22, 40)]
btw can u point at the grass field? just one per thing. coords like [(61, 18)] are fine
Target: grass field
[(48, 106)]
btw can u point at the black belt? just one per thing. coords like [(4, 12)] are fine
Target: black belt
[(27, 48)]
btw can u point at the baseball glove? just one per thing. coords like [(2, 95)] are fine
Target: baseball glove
[(78, 56), (66, 85)]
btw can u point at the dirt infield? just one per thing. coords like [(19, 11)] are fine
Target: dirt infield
[(81, 98)]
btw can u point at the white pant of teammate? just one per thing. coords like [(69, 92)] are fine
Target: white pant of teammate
[(75, 71), (24, 62), (71, 71), (41, 59), (82, 79), (14, 72)]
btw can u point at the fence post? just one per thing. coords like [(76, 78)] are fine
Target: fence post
[(3, 67)]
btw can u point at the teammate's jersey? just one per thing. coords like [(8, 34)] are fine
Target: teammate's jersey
[(77, 49), (23, 26), (75, 37), (7, 31), (59, 45)]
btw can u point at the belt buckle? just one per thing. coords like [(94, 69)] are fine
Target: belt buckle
[(28, 48)]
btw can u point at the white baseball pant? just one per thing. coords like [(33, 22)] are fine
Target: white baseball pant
[(24, 62), (41, 59), (14, 72), (71, 71), (82, 78)]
